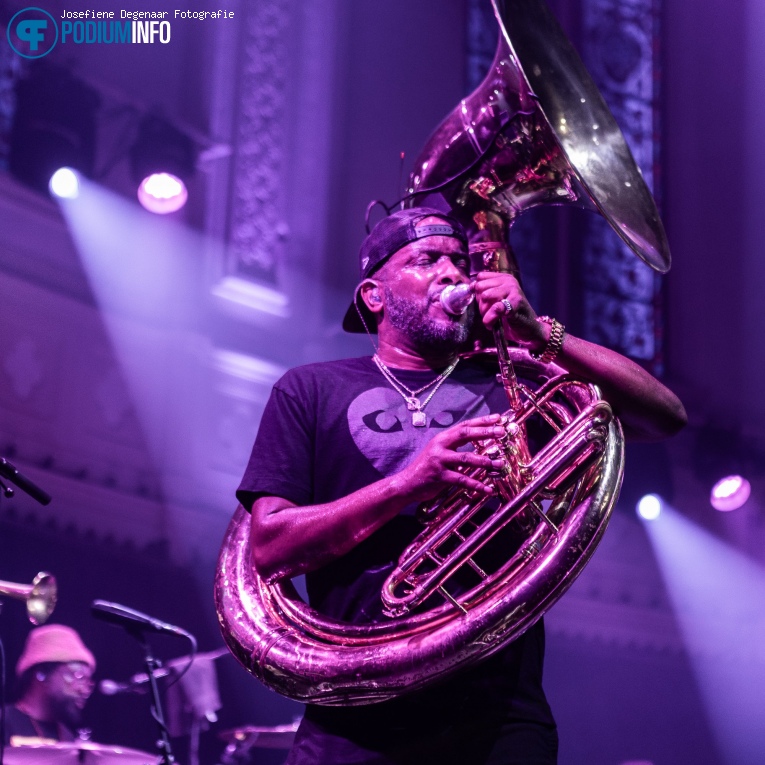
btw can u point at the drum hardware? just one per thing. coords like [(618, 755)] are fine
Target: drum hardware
[(239, 741), (136, 683), (76, 753), (137, 624)]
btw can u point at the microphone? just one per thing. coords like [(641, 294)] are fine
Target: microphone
[(455, 298), (112, 687), (131, 620), (136, 682)]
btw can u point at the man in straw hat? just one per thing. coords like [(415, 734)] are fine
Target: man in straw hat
[(55, 680), (347, 449)]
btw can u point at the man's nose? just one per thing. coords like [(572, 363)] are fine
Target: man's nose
[(448, 272)]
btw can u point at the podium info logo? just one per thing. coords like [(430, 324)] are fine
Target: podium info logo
[(32, 33)]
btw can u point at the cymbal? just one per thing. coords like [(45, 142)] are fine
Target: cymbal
[(76, 753), (276, 737)]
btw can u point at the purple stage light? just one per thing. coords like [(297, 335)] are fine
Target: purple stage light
[(716, 593), (162, 193), (649, 507), (162, 162), (65, 183), (730, 493)]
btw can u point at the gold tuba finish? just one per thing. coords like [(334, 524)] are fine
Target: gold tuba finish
[(507, 147)]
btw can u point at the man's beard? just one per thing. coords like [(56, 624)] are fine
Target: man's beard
[(426, 332), (68, 713)]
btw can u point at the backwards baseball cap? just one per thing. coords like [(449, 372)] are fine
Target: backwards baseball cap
[(53, 643), (387, 238)]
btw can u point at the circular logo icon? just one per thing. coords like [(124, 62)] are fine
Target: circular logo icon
[(32, 33)]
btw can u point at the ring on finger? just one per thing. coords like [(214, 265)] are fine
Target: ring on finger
[(508, 306)]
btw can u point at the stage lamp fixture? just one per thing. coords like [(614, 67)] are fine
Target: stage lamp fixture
[(649, 507), (162, 163), (65, 183), (54, 127), (730, 493)]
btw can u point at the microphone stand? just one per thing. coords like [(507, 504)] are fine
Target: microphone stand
[(152, 664), (11, 473)]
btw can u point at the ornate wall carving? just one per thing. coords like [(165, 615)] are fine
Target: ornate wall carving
[(10, 71), (621, 296), (617, 300), (258, 227)]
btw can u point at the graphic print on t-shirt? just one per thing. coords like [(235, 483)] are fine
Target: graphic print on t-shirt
[(381, 425)]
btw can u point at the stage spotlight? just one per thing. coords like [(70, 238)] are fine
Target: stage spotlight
[(65, 183), (54, 126), (162, 193), (649, 507), (162, 162), (730, 493)]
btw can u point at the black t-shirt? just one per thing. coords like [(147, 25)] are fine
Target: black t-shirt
[(332, 428), (20, 725)]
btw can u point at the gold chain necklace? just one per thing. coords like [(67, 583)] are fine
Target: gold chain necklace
[(413, 404)]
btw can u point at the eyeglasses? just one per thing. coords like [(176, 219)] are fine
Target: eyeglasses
[(77, 676)]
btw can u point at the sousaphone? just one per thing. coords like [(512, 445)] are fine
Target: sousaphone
[(536, 131)]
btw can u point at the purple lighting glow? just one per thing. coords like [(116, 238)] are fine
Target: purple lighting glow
[(65, 183), (162, 193), (649, 507), (716, 593), (730, 493)]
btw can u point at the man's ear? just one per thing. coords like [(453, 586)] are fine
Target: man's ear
[(371, 294)]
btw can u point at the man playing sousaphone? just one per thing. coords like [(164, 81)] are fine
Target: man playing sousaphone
[(347, 449)]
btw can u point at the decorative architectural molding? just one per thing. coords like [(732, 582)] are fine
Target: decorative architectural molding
[(258, 229), (621, 298), (10, 71)]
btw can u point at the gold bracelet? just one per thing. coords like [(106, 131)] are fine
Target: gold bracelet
[(554, 344)]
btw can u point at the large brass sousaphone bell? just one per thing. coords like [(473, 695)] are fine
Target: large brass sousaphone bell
[(536, 131)]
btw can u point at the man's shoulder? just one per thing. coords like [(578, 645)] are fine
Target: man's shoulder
[(17, 723), (13, 712), (327, 369)]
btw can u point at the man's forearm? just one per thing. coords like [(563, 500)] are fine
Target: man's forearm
[(647, 409), (287, 540)]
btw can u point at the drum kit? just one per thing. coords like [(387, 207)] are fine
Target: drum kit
[(76, 753), (40, 598), (239, 743)]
